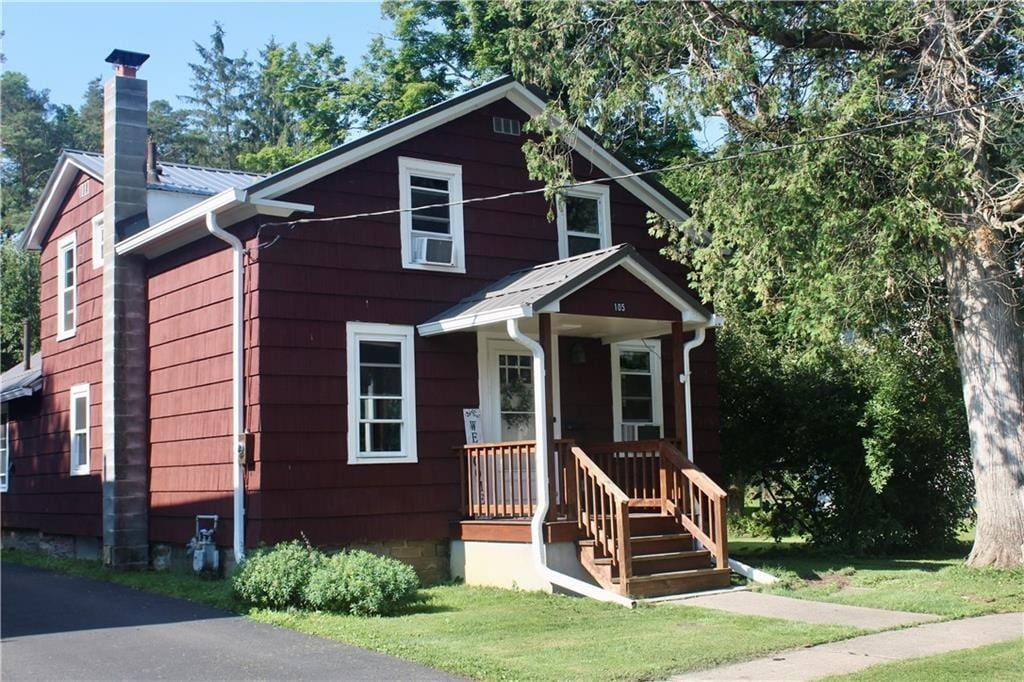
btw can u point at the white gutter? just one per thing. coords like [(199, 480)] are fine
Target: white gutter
[(696, 341), (237, 385), (539, 551)]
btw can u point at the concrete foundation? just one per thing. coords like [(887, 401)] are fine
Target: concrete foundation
[(510, 564)]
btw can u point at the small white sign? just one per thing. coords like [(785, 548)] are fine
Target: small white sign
[(471, 417)]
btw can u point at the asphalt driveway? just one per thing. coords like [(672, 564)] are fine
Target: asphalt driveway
[(55, 626)]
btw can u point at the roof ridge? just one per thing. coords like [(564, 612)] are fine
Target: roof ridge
[(161, 162)]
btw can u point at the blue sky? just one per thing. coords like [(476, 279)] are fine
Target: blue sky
[(60, 46)]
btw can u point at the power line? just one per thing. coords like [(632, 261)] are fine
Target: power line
[(291, 224)]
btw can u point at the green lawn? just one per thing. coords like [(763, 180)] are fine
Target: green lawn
[(938, 584), (997, 662), (499, 634)]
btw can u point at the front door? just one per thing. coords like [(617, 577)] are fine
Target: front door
[(506, 390), (636, 390), (513, 394)]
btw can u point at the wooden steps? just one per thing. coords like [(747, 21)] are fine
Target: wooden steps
[(664, 560)]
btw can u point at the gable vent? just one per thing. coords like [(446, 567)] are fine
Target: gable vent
[(83, 189), (506, 126)]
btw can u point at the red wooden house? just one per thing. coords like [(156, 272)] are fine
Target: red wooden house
[(295, 353)]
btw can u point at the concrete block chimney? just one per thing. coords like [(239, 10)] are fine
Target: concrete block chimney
[(125, 318)]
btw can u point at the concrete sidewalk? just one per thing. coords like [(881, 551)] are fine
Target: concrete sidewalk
[(805, 610), (851, 655)]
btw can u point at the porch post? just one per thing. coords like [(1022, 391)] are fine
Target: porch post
[(546, 342), (678, 399)]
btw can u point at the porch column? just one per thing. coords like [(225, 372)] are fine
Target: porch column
[(678, 399), (546, 342)]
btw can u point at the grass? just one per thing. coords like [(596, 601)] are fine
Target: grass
[(996, 662), (936, 583), (497, 634)]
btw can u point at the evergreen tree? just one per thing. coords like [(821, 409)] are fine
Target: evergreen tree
[(221, 86)]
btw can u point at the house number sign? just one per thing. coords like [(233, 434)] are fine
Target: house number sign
[(619, 307)]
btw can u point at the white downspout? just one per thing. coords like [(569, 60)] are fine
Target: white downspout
[(237, 382), (539, 551), (695, 342)]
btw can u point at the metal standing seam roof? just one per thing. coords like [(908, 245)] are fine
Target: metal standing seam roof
[(18, 382), (177, 177), (541, 285)]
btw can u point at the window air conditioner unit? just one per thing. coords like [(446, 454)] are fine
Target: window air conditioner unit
[(432, 250)]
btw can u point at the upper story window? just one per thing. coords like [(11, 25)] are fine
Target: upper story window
[(67, 289), (5, 456), (381, 393), (506, 126), (636, 390), (97, 241), (79, 427), (584, 220), (432, 238)]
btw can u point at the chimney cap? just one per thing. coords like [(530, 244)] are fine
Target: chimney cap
[(127, 58)]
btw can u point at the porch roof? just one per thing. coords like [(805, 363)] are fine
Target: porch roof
[(19, 381), (540, 288)]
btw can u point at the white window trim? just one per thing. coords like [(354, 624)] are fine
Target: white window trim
[(97, 241), (442, 171), (5, 455), (404, 334), (653, 347), (78, 391), (604, 216), (63, 245)]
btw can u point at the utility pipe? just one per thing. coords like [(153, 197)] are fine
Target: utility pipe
[(237, 385), (538, 549)]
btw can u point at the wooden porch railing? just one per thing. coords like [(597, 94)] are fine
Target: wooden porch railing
[(602, 512), (696, 501), (590, 485), (499, 480), (634, 466)]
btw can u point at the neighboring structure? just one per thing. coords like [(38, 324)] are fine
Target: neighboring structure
[(202, 354)]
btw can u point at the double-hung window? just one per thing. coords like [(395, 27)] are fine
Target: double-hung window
[(5, 449), (97, 241), (431, 218), (79, 423), (67, 294), (636, 389), (381, 393), (584, 220)]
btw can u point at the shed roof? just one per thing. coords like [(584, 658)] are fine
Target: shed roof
[(18, 382), (524, 292)]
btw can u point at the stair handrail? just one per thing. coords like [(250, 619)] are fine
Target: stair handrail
[(604, 519), (705, 522)]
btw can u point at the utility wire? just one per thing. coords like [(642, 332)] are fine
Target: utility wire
[(635, 174)]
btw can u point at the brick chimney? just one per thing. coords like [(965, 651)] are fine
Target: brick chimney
[(125, 324)]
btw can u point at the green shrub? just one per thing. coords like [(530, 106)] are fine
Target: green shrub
[(277, 577), (362, 584)]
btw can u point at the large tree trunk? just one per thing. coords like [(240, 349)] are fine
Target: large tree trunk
[(989, 337)]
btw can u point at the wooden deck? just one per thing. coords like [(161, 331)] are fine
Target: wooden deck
[(647, 522)]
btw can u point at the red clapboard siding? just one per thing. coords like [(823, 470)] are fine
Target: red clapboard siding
[(190, 391), (42, 494)]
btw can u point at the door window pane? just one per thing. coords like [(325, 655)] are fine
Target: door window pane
[(515, 386)]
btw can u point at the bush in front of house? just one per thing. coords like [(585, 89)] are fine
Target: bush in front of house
[(362, 584), (277, 577)]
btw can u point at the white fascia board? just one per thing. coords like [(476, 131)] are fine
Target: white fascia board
[(689, 313), (165, 228), (175, 231), (401, 134), (50, 203), (279, 208), (591, 150), (463, 322)]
